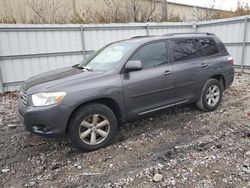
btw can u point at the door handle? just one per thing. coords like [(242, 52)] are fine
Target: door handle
[(167, 72), (204, 65)]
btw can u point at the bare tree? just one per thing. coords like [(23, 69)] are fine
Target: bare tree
[(8, 13), (74, 8), (149, 15), (164, 15), (141, 11), (121, 11), (213, 4), (49, 11), (67, 11)]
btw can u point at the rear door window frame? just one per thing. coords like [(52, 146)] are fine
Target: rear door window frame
[(183, 38)]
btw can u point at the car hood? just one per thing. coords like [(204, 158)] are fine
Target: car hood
[(57, 77)]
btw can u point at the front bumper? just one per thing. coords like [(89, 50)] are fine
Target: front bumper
[(48, 121)]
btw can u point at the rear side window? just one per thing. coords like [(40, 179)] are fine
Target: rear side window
[(209, 47), (220, 46), (151, 55), (185, 49)]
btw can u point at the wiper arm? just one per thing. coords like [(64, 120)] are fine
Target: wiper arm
[(76, 66), (85, 68), (82, 67)]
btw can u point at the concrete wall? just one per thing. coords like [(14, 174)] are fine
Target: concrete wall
[(190, 13)]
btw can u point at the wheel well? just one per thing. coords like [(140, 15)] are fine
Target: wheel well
[(105, 101), (220, 78)]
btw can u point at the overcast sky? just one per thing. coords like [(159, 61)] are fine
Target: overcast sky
[(220, 4)]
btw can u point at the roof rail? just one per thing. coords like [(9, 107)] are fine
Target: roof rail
[(142, 36), (194, 33)]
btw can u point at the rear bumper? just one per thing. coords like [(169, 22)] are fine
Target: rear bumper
[(229, 78), (47, 121)]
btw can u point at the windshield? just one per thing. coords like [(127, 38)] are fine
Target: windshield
[(108, 57)]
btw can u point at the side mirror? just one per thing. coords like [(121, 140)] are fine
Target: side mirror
[(133, 66)]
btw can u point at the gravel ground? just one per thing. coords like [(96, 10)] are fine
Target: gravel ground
[(182, 147)]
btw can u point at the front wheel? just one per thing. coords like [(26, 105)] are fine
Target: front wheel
[(211, 95), (92, 127)]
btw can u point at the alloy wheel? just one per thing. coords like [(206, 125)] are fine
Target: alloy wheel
[(213, 95), (94, 129)]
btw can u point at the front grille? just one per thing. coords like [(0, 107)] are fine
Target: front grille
[(23, 97)]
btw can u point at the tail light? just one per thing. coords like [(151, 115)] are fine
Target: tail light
[(230, 60)]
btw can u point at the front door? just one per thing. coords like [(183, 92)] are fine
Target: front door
[(152, 87)]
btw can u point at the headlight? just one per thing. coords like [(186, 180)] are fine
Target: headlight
[(45, 99)]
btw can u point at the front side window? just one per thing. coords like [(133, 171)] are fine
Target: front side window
[(152, 55), (184, 49)]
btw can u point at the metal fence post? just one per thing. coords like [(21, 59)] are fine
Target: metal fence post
[(83, 41), (1, 81), (244, 45), (147, 27), (194, 27)]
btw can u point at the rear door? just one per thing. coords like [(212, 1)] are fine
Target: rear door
[(153, 86), (213, 61), (187, 60), (211, 52)]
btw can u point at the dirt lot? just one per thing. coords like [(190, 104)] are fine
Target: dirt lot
[(189, 148)]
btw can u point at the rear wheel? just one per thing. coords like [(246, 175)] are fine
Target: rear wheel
[(92, 127), (211, 95)]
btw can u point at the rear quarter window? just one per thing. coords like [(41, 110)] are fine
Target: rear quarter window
[(221, 46), (208, 46)]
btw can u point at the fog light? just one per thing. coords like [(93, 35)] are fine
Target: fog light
[(40, 128)]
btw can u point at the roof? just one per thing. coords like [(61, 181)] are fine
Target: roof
[(143, 39)]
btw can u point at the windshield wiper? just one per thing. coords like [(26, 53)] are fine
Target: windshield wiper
[(76, 66), (85, 68), (82, 68)]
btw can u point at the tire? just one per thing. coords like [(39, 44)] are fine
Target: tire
[(92, 127), (211, 86)]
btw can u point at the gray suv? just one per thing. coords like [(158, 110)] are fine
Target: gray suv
[(125, 80)]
